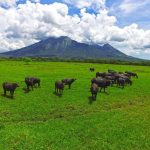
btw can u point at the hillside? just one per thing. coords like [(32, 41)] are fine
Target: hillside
[(64, 47)]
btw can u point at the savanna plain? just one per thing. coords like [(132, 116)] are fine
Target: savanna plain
[(40, 120)]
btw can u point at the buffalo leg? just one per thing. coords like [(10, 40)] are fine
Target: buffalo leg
[(39, 84), (104, 89), (32, 87), (92, 96), (100, 89), (28, 87), (4, 92), (11, 94)]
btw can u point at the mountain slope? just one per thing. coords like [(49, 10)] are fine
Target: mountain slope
[(64, 47)]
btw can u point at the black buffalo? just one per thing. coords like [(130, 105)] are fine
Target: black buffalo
[(126, 79), (68, 82), (101, 82), (59, 87), (111, 78), (132, 74), (36, 82), (101, 74), (32, 82), (121, 82), (11, 87), (94, 90)]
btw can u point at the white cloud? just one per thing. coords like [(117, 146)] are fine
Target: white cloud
[(128, 6), (7, 3), (12, 3), (31, 22), (95, 4)]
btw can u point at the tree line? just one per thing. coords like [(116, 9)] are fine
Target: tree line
[(27, 60)]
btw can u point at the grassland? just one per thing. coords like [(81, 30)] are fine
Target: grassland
[(39, 120)]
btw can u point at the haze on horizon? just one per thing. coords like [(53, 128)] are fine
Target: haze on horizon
[(124, 24)]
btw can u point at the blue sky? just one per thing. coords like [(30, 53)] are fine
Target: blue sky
[(125, 24)]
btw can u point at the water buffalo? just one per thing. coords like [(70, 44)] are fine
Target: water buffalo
[(126, 79), (112, 79), (11, 87), (36, 81), (59, 87), (100, 74), (68, 82), (94, 90), (132, 74), (32, 82), (101, 82), (121, 82), (29, 83), (128, 75), (92, 69)]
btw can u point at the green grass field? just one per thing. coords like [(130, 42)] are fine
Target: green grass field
[(39, 120)]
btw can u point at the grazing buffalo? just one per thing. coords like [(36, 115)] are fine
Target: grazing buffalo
[(100, 74), (112, 79), (11, 87), (128, 75), (68, 82), (29, 83), (126, 79), (94, 90), (92, 69), (101, 82), (121, 82), (32, 82), (59, 87), (132, 74), (36, 81)]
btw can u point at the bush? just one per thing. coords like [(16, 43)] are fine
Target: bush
[(27, 60)]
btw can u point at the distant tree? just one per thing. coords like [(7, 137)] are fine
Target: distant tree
[(27, 60)]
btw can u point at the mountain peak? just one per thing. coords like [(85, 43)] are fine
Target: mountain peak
[(107, 45), (60, 38), (65, 47)]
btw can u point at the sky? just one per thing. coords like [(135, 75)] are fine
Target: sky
[(125, 24)]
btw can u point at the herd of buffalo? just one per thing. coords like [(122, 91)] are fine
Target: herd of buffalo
[(101, 81)]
